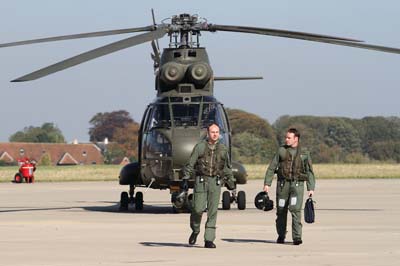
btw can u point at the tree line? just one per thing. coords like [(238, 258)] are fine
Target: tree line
[(254, 139), (329, 139)]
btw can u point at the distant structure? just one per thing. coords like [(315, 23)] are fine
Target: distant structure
[(52, 153)]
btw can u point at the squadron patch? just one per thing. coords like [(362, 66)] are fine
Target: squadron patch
[(293, 201), (281, 203)]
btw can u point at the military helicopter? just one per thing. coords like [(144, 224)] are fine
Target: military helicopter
[(177, 119)]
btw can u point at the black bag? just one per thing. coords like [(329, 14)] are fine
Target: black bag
[(309, 213)]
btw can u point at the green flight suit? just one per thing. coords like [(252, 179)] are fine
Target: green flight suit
[(211, 166), (293, 166)]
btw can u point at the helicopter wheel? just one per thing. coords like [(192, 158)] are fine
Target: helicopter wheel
[(226, 200), (131, 193), (241, 200), (139, 201), (124, 202)]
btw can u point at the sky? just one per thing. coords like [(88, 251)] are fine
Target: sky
[(300, 77)]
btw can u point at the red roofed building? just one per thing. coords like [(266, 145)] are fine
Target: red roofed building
[(57, 153)]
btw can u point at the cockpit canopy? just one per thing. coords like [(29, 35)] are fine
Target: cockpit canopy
[(186, 112)]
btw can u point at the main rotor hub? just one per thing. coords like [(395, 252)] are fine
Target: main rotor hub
[(182, 28), (184, 20)]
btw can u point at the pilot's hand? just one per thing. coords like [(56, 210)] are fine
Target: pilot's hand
[(310, 193), (185, 185), (266, 188)]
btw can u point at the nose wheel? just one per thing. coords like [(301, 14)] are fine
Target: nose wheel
[(127, 199), (229, 197)]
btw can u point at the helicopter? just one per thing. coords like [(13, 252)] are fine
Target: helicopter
[(184, 105)]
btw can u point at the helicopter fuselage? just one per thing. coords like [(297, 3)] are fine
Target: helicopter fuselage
[(176, 120)]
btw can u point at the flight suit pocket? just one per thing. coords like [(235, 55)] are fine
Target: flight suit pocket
[(199, 184)]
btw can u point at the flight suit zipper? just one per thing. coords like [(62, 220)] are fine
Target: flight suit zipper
[(211, 162)]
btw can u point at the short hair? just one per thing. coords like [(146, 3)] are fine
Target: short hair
[(294, 131), (212, 124)]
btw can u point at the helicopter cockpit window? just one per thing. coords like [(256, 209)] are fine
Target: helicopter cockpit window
[(160, 117), (192, 53), (185, 114), (213, 113)]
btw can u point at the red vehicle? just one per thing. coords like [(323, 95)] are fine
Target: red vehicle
[(26, 169)]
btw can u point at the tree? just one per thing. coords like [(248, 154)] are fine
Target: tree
[(125, 143), (105, 124), (253, 138), (45, 159), (47, 133), (122, 132), (249, 148), (385, 151), (242, 121)]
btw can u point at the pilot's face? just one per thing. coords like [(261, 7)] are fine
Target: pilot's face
[(291, 140), (213, 133)]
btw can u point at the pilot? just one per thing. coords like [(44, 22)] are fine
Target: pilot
[(293, 166), (210, 163)]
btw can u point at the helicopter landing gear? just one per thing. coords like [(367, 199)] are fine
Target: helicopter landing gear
[(127, 199), (230, 197), (124, 201), (181, 202), (139, 201)]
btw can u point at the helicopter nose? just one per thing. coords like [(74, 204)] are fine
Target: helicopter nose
[(184, 139)]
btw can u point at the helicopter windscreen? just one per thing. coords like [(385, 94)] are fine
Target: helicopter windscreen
[(185, 114), (160, 117), (213, 113)]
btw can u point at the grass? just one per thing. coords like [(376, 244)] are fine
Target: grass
[(337, 171), (110, 172), (66, 173)]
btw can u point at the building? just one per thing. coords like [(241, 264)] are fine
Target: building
[(52, 153)]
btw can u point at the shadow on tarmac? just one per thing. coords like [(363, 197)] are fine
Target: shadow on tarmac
[(24, 209), (236, 240), (168, 244), (147, 209)]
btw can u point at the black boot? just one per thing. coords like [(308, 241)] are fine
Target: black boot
[(280, 240), (297, 242), (193, 238), (209, 244)]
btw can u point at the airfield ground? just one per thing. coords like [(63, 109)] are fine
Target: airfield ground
[(78, 223)]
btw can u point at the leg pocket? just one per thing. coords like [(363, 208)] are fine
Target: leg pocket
[(199, 184)]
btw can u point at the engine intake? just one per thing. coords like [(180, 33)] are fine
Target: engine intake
[(199, 73), (172, 73)]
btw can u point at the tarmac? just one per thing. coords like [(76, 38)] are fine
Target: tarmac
[(79, 223)]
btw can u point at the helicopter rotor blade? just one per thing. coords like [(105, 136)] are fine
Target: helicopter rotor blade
[(154, 23), (305, 36), (95, 53), (379, 48), (236, 78), (156, 54), (277, 32), (154, 43), (78, 36)]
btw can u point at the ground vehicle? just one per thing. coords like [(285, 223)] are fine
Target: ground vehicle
[(26, 169)]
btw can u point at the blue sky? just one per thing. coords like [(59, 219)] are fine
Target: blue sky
[(300, 78)]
